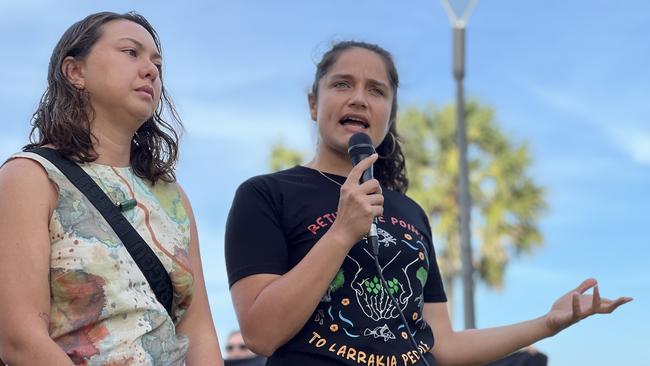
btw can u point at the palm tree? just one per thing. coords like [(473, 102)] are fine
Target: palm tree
[(506, 202)]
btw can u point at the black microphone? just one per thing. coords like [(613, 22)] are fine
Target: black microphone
[(360, 147)]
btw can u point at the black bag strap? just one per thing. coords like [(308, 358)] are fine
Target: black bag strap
[(142, 254)]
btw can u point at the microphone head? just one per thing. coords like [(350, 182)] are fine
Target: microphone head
[(359, 147)]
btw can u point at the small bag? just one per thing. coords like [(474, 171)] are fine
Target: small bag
[(151, 267)]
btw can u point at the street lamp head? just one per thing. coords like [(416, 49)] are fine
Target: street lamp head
[(458, 11)]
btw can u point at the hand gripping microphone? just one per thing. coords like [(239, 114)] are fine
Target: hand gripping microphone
[(360, 147)]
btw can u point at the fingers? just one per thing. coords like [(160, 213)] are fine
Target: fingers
[(375, 200), (608, 306), (575, 302), (598, 305), (357, 170), (586, 285), (372, 205), (371, 187), (595, 300)]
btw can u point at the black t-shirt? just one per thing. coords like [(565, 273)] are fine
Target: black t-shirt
[(277, 218)]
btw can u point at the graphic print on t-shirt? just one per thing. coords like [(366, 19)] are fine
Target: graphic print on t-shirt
[(357, 306), (354, 323)]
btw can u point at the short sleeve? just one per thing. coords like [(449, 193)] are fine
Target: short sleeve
[(254, 240), (434, 290)]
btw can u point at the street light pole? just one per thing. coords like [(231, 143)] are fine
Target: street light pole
[(464, 198), (458, 17)]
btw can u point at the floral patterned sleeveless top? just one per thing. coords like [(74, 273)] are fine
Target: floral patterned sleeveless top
[(103, 311)]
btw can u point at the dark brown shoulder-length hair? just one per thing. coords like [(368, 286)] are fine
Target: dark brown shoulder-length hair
[(390, 168), (64, 114)]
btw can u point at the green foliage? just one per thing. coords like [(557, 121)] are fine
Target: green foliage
[(506, 202), (284, 158)]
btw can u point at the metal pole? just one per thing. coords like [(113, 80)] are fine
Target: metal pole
[(464, 199)]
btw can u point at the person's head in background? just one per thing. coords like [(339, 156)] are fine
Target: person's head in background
[(236, 348)]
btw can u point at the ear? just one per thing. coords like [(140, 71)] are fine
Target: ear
[(73, 71), (313, 107)]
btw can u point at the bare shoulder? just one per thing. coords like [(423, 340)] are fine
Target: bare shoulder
[(25, 180), (184, 199)]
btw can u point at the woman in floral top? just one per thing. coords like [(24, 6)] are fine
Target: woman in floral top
[(71, 292)]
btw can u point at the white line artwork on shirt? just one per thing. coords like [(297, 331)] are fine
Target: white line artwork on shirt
[(374, 300), (383, 332)]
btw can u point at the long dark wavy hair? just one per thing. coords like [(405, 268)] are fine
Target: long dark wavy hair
[(390, 168), (64, 115)]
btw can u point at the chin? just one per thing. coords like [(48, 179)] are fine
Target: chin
[(142, 116)]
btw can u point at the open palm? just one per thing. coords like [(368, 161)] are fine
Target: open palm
[(576, 305)]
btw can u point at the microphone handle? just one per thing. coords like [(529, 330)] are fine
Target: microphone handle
[(367, 175)]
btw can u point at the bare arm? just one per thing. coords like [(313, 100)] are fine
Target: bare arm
[(197, 322), (271, 309), (27, 199), (478, 346)]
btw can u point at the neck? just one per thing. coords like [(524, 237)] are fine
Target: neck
[(112, 143), (331, 161)]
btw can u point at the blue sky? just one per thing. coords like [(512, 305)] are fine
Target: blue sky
[(569, 77)]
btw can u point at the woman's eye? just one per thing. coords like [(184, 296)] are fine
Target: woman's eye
[(159, 67), (376, 91), (130, 51), (340, 84)]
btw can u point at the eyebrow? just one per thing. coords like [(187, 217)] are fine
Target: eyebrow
[(350, 77), (141, 46)]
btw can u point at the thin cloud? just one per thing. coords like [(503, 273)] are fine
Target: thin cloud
[(636, 143), (627, 133), (218, 123)]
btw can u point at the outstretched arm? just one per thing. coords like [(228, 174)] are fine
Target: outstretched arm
[(478, 346)]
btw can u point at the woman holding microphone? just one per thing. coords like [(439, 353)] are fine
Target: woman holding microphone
[(307, 287)]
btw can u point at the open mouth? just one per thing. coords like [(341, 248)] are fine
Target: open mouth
[(354, 121)]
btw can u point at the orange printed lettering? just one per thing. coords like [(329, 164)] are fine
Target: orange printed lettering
[(371, 360), (425, 346), (405, 359), (341, 351), (314, 337), (410, 354), (351, 353), (361, 357)]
